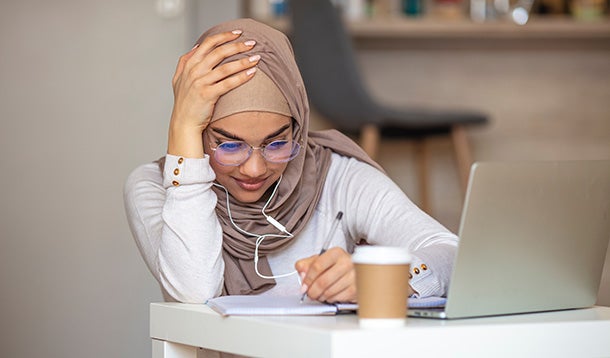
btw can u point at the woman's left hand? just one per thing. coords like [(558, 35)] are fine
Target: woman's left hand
[(329, 277)]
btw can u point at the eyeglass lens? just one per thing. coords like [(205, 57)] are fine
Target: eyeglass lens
[(237, 152)]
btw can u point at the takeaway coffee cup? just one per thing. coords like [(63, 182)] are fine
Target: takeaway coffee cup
[(382, 281)]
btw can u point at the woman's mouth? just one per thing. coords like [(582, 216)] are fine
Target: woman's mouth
[(250, 185)]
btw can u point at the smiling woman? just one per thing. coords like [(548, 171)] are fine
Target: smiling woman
[(247, 173), (246, 194)]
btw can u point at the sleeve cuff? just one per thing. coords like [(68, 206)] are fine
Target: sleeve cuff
[(431, 269), (423, 282), (184, 171)]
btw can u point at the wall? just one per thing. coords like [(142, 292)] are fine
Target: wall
[(85, 96)]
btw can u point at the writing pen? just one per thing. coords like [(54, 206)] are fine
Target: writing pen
[(329, 238)]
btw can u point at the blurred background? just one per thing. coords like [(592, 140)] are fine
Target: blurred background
[(85, 97)]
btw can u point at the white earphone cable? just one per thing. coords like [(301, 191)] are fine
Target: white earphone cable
[(260, 238)]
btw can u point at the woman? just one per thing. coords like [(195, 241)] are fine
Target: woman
[(246, 195)]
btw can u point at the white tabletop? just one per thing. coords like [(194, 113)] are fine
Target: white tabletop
[(581, 333)]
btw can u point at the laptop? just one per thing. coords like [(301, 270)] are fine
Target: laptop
[(533, 238)]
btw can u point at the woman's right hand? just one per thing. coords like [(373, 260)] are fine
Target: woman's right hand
[(198, 84)]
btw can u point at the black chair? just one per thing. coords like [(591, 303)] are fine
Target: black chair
[(325, 56)]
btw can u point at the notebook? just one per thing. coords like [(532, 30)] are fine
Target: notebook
[(238, 305), (533, 237)]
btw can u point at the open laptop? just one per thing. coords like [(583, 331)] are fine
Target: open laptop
[(533, 237)]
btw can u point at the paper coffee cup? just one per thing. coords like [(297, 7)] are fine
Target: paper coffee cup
[(382, 282)]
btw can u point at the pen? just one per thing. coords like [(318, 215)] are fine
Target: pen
[(329, 238)]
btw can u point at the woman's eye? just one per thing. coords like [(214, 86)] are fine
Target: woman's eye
[(231, 146), (277, 145)]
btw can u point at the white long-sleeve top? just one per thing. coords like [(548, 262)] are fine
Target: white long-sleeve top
[(178, 234)]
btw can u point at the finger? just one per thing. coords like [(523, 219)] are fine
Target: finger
[(232, 82), (215, 49), (203, 69), (211, 42), (317, 267), (231, 68), (197, 68), (199, 50), (181, 64), (337, 274), (302, 266), (321, 263), (326, 270), (317, 288), (342, 290)]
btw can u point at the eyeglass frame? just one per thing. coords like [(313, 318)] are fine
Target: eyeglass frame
[(252, 148)]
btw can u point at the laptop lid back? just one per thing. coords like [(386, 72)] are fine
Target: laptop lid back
[(533, 237)]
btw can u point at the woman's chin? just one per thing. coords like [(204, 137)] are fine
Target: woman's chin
[(248, 197)]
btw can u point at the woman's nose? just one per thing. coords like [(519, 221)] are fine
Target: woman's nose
[(255, 166)]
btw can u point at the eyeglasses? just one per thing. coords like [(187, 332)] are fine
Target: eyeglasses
[(234, 153)]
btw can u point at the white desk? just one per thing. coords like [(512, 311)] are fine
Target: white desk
[(178, 329)]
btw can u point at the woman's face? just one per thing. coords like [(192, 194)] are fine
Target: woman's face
[(248, 181)]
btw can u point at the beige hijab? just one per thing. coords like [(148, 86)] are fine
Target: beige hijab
[(299, 191)]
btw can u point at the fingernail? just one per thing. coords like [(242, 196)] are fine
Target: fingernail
[(254, 58), (304, 288), (194, 47), (237, 32), (302, 274), (251, 71), (250, 43)]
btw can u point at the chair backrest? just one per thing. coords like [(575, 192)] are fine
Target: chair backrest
[(325, 56)]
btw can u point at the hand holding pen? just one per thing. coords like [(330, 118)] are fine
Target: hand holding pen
[(325, 246)]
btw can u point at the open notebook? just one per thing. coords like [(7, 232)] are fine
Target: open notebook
[(288, 305)]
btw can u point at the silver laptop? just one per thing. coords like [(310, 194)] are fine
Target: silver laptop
[(533, 237)]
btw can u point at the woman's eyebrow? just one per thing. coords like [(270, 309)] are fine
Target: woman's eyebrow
[(278, 132), (224, 133)]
